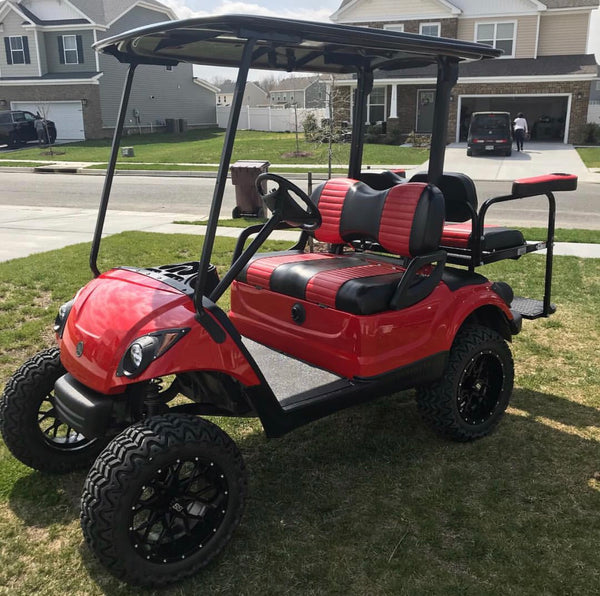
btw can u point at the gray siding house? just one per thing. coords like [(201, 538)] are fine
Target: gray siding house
[(254, 96), (47, 65), (305, 92)]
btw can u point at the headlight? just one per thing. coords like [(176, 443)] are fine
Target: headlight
[(146, 349), (61, 318)]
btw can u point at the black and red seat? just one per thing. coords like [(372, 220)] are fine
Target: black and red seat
[(461, 217), (405, 221)]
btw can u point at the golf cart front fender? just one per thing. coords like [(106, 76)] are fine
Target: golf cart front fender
[(122, 306)]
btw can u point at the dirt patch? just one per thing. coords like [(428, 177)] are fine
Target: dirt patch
[(297, 154)]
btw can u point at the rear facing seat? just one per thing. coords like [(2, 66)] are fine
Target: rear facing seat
[(405, 220), (461, 216)]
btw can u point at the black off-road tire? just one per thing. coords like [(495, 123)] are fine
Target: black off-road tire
[(474, 391), (143, 517), (30, 427)]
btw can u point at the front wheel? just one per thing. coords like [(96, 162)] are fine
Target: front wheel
[(29, 423), (163, 499), (471, 397)]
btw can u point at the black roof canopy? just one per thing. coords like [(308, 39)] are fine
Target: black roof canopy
[(284, 44)]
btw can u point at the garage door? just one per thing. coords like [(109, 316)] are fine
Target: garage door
[(67, 115), (546, 114)]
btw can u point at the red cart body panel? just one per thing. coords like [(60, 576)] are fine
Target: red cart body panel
[(120, 306)]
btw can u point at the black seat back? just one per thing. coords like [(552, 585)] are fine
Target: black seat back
[(459, 193)]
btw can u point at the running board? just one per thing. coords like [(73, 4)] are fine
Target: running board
[(529, 308)]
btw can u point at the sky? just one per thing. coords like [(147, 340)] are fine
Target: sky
[(309, 10)]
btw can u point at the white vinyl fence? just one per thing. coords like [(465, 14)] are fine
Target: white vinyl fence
[(271, 119)]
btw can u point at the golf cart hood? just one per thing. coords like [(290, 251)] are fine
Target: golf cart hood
[(123, 305)]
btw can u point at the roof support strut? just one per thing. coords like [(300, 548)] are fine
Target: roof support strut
[(363, 89), (110, 171), (446, 79), (213, 219)]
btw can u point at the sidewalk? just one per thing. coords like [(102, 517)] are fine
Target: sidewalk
[(28, 230)]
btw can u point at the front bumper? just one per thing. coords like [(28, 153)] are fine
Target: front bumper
[(88, 412)]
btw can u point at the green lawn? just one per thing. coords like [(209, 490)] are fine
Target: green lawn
[(590, 156), (560, 234), (204, 146), (367, 501)]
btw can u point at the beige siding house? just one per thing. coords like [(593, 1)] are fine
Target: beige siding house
[(545, 72)]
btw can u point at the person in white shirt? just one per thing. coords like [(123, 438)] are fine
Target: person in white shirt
[(521, 129)]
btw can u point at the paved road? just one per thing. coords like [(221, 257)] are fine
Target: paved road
[(192, 196)]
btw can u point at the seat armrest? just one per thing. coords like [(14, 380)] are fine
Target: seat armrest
[(412, 288), (541, 185)]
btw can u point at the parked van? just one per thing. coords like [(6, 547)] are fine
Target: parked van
[(490, 132)]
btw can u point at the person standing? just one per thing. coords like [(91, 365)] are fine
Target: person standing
[(521, 129), (40, 129)]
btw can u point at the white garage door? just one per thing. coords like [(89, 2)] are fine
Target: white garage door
[(67, 115)]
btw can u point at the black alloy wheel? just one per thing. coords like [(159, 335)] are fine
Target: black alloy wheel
[(474, 391), (178, 510), (163, 499), (480, 387), (30, 425)]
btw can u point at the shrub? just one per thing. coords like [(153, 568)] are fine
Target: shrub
[(591, 133), (311, 127)]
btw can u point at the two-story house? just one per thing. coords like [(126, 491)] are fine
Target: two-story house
[(304, 92), (254, 96), (47, 65), (545, 72)]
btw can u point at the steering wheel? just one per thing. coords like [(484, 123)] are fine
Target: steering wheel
[(280, 200)]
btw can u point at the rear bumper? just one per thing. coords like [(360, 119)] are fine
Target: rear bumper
[(85, 410)]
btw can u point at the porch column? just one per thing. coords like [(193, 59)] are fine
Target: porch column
[(394, 102)]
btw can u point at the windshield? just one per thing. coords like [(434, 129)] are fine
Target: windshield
[(490, 123)]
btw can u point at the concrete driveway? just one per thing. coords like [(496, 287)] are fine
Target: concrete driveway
[(536, 159)]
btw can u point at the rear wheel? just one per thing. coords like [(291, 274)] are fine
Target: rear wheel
[(469, 152), (30, 426), (13, 141), (471, 397), (163, 499)]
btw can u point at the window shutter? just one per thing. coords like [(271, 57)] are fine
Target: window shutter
[(8, 52), (61, 49), (26, 50), (79, 49)]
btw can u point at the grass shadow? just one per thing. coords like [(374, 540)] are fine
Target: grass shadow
[(368, 500)]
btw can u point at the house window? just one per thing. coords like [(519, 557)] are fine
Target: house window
[(17, 50), (376, 110), (395, 27), (70, 49), (597, 85), (432, 29), (497, 35)]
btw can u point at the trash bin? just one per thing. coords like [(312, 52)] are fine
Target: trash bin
[(182, 125), (243, 176), (171, 125)]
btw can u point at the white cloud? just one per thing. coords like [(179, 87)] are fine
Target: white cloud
[(236, 7)]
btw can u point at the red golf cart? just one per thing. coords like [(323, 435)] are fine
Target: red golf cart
[(393, 302)]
